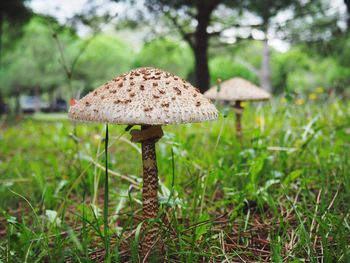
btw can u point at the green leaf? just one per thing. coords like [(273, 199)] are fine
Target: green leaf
[(291, 177), (203, 225)]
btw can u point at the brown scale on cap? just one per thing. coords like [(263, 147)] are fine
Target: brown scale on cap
[(178, 91), (165, 104), (129, 105), (147, 109)]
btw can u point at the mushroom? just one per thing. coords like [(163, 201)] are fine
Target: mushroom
[(151, 98), (237, 90)]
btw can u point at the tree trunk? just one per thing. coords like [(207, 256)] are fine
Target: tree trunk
[(347, 3), (2, 104), (200, 48), (17, 104), (1, 33), (265, 71)]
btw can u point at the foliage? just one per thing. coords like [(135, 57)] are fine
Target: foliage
[(105, 57), (34, 62), (225, 68), (13, 14), (167, 54), (299, 71)]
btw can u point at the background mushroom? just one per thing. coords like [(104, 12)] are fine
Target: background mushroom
[(237, 90), (148, 97)]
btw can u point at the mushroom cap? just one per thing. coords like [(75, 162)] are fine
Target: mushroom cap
[(237, 89), (147, 96)]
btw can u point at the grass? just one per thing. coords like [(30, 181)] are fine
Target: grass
[(283, 196)]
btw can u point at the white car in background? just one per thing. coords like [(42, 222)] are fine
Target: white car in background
[(30, 104)]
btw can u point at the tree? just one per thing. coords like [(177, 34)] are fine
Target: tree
[(14, 12), (322, 29), (105, 57), (192, 19), (171, 56), (347, 4), (33, 65), (266, 10)]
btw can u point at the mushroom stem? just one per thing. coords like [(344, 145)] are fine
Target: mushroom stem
[(149, 191), (238, 111)]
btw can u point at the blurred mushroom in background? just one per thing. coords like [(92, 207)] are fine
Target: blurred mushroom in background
[(236, 91)]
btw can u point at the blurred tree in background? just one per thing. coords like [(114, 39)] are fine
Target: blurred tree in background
[(12, 13), (189, 38), (193, 19), (266, 10), (171, 56), (104, 58), (34, 64)]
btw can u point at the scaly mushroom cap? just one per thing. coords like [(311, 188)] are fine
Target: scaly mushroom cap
[(237, 89), (144, 96)]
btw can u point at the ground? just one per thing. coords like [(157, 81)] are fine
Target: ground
[(281, 196)]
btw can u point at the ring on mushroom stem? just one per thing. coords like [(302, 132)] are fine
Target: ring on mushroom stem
[(158, 98)]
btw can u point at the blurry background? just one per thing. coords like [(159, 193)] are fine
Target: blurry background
[(279, 195), (51, 51)]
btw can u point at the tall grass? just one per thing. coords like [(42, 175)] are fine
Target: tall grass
[(281, 196)]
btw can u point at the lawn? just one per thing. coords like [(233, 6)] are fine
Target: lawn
[(283, 195)]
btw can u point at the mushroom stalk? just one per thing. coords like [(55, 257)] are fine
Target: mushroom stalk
[(238, 110), (149, 191), (150, 178)]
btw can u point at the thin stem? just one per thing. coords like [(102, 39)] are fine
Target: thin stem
[(105, 203)]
